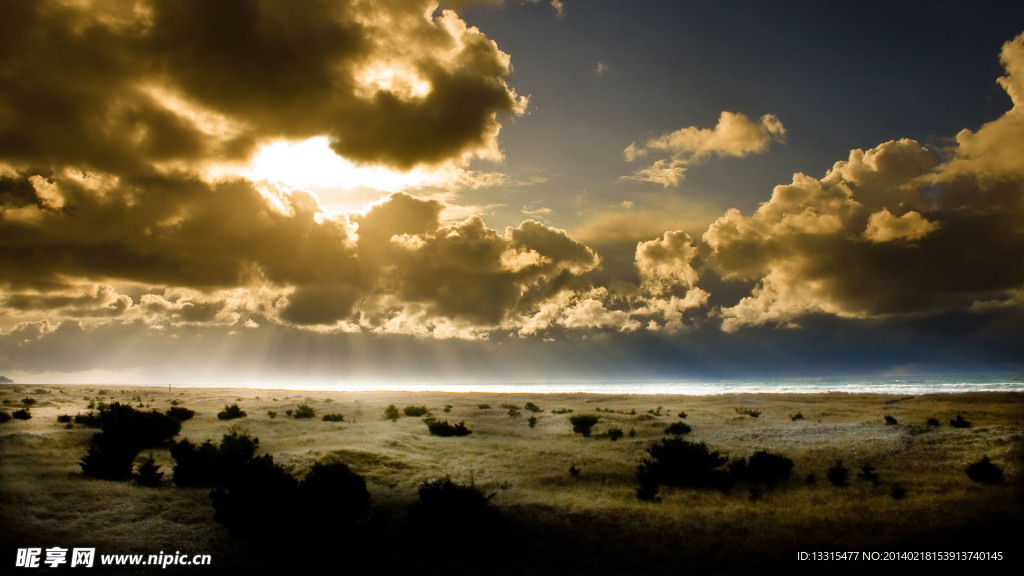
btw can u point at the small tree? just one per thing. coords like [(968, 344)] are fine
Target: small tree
[(148, 473), (583, 424), (838, 474)]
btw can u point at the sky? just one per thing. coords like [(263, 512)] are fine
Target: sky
[(344, 192)]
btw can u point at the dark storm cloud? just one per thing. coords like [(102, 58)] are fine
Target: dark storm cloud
[(125, 87)]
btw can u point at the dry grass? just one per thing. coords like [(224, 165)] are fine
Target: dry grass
[(568, 521)]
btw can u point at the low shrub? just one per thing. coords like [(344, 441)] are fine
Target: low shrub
[(28, 401), (415, 411), (562, 411), (890, 420), (64, 418), (682, 414), (933, 422), (748, 412), (484, 406), (303, 411), (443, 428), (583, 424), (447, 408), (90, 419), (960, 422), (676, 462), (391, 413), (335, 492), (208, 464), (532, 421), (678, 429), (838, 474), (180, 413), (5, 416), (614, 434), (231, 412), (333, 417), (868, 474), (447, 512), (985, 471), (23, 414), (797, 416), (531, 407), (513, 412), (272, 414), (898, 492), (763, 467), (148, 474)]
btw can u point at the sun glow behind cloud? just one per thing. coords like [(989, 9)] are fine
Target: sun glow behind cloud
[(312, 163)]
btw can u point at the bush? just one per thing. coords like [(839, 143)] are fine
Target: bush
[(985, 471), (456, 513), (682, 414), (210, 465), (23, 414), (748, 412), (231, 412), (532, 421), (91, 419), (148, 473), (583, 424), (443, 428), (933, 422), (513, 412), (180, 414), (960, 422), (797, 416), (64, 418), (335, 492), (762, 468), (614, 433), (531, 407), (868, 474), (5, 416), (562, 411), (898, 492), (678, 429), (391, 413), (484, 406), (303, 411), (124, 432), (272, 414), (676, 462), (262, 503), (574, 470), (890, 421), (415, 411), (28, 401), (838, 474), (334, 417)]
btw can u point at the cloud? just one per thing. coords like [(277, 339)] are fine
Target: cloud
[(888, 232), (735, 135), (129, 88)]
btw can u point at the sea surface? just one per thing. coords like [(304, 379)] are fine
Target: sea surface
[(873, 384)]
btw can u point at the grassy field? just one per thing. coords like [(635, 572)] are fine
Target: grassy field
[(590, 522)]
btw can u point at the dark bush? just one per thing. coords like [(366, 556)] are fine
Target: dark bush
[(762, 468), (5, 416), (868, 474), (335, 492), (532, 421), (513, 412), (898, 492), (148, 473), (124, 432), (890, 420), (574, 471), (456, 514), (91, 419), (210, 465), (933, 422), (272, 414), (985, 471), (614, 433), (682, 414), (262, 503), (960, 422), (447, 408), (333, 417), (64, 418), (28, 401), (797, 416), (303, 411), (180, 414), (838, 474), (415, 411), (748, 412), (583, 424), (531, 407), (561, 411), (23, 414), (678, 429), (231, 412), (676, 462), (391, 413), (443, 428), (484, 406)]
